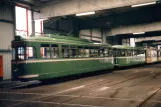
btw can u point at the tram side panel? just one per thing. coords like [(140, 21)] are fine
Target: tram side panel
[(129, 56), (129, 61), (39, 68), (44, 69)]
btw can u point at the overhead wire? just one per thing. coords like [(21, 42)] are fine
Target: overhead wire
[(53, 21)]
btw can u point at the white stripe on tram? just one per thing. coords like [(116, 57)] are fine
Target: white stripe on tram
[(28, 76), (57, 60)]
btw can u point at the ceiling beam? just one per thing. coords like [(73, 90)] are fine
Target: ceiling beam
[(69, 7), (148, 39), (130, 29)]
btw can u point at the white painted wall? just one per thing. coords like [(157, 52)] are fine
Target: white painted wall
[(6, 36), (91, 34)]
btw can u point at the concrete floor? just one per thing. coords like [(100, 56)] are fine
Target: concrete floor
[(136, 87)]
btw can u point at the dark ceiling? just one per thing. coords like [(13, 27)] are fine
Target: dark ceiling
[(121, 17), (32, 2)]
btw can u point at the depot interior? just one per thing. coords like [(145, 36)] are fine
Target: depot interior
[(132, 23)]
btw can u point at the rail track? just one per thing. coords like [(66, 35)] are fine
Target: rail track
[(87, 90)]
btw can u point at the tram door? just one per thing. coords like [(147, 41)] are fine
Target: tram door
[(159, 55), (1, 67), (148, 56)]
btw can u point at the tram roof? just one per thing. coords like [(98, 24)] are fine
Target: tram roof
[(125, 47), (54, 38)]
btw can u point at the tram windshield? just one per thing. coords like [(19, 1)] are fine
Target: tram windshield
[(23, 53)]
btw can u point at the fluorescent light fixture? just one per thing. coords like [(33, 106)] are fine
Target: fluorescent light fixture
[(138, 33), (97, 43), (143, 4), (84, 14)]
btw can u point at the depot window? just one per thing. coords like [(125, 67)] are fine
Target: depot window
[(38, 27), (23, 21)]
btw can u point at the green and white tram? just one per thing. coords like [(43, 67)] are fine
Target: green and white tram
[(128, 56), (50, 56)]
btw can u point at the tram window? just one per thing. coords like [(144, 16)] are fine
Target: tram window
[(126, 52), (65, 51), (110, 52), (159, 53), (154, 53), (94, 51), (86, 51), (45, 51), (115, 52), (101, 52), (54, 51), (13, 54), (30, 53), (148, 53), (132, 52), (80, 51), (122, 52), (118, 52), (140, 52), (20, 53), (72, 52), (106, 52), (129, 53), (135, 52)]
